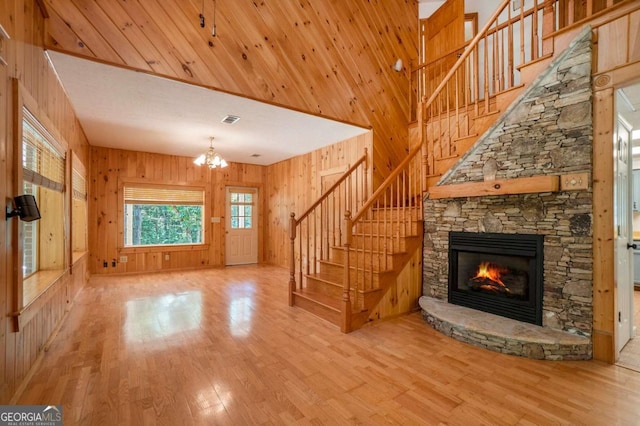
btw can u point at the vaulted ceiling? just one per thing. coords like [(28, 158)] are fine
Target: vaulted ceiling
[(330, 58)]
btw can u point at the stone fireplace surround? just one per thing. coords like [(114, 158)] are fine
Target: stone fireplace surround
[(548, 131)]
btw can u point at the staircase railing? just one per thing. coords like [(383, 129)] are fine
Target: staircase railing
[(320, 227), (487, 67), (396, 206)]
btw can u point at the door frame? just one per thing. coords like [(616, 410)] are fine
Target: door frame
[(605, 305), (621, 248), (259, 187)]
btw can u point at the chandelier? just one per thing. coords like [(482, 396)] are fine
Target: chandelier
[(211, 158)]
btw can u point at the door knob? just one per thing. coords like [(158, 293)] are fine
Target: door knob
[(633, 246)]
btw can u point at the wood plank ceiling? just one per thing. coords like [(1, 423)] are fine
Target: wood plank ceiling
[(331, 58)]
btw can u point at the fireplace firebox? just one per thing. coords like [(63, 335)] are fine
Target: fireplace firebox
[(497, 273)]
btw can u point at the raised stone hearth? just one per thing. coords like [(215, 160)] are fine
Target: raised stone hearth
[(503, 335)]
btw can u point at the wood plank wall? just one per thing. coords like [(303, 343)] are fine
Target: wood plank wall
[(27, 63), (333, 59), (110, 167), (294, 185), (291, 185)]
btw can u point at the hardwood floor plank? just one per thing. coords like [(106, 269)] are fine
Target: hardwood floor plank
[(221, 346)]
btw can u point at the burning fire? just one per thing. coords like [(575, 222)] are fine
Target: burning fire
[(492, 272)]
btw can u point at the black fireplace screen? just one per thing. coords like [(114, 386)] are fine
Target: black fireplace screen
[(497, 273)]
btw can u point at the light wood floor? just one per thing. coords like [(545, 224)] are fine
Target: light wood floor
[(223, 347)]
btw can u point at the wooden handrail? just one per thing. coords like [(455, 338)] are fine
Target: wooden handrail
[(467, 52), (334, 186), (441, 57), (515, 19), (387, 182)]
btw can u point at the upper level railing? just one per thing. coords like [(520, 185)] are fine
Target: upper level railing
[(518, 35)]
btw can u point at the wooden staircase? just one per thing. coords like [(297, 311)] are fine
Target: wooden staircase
[(342, 263), (375, 261)]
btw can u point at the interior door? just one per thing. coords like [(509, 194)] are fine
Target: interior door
[(624, 253), (441, 33), (242, 226)]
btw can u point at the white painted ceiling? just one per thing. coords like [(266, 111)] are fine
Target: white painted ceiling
[(124, 109)]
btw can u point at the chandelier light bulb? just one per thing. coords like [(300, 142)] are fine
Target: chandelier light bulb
[(211, 158)]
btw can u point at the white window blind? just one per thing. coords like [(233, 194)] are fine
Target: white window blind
[(154, 195), (79, 185), (42, 164)]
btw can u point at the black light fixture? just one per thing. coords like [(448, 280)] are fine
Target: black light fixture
[(26, 208)]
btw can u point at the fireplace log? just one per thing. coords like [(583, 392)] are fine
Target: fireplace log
[(486, 284), (515, 285)]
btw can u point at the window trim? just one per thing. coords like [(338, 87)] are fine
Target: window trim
[(23, 100), (206, 214), (77, 166)]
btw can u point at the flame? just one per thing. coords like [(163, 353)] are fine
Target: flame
[(490, 271)]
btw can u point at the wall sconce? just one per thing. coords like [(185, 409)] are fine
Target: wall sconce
[(26, 208)]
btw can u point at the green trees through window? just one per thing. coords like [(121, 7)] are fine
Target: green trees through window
[(159, 225), (163, 216)]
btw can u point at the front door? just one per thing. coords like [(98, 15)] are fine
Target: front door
[(242, 226), (624, 263)]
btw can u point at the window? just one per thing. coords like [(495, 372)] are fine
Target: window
[(43, 241), (162, 215), (79, 222), (241, 210), (44, 177)]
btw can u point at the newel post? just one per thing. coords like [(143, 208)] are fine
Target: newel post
[(345, 325), (292, 261)]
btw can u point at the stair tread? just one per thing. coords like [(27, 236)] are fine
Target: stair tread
[(362, 234), (395, 253), (388, 221), (475, 135), (326, 277), (486, 114), (320, 298), (328, 262)]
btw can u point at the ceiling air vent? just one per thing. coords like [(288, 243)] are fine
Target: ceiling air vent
[(231, 119), (255, 155)]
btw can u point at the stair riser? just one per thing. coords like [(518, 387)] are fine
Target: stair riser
[(378, 263), (323, 287), (378, 244), (371, 279), (402, 229), (317, 309), (395, 214)]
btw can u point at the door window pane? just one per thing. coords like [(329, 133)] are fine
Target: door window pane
[(241, 210)]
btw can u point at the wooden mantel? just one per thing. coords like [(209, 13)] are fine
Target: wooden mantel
[(526, 185)]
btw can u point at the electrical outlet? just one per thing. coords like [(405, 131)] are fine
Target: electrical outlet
[(123, 259), (113, 263), (105, 264), (166, 257)]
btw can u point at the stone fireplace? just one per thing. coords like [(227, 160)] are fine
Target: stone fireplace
[(546, 132)]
